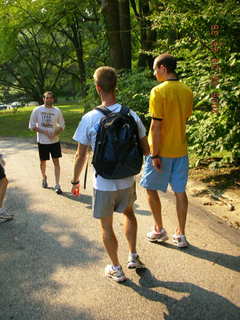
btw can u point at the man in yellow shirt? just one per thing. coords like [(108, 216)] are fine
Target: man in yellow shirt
[(170, 106)]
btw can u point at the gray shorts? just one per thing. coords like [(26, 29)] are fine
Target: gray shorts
[(106, 202)]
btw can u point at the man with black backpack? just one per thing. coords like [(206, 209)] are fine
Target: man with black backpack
[(118, 139)]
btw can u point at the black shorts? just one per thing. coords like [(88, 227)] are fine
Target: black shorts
[(45, 149), (2, 173)]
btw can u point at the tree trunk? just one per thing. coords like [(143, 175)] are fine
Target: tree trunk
[(147, 35), (110, 11), (125, 32), (77, 42)]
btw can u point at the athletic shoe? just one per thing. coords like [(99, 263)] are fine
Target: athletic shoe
[(58, 189), (44, 183), (154, 236), (135, 263), (4, 215), (115, 274), (180, 240)]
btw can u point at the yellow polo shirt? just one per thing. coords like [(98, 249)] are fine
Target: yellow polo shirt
[(172, 102)]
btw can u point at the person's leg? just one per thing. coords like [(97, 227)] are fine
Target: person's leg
[(179, 179), (43, 169), (153, 181), (159, 234), (56, 153), (130, 228), (56, 170), (103, 207), (181, 207), (3, 188), (109, 239), (4, 214), (43, 156), (155, 206)]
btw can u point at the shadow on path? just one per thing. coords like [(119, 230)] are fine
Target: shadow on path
[(196, 304), (34, 248), (223, 259)]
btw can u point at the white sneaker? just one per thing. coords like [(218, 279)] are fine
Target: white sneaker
[(116, 274), (4, 215), (154, 236), (180, 240), (135, 263)]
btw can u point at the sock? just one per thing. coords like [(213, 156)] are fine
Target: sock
[(116, 267), (133, 255)]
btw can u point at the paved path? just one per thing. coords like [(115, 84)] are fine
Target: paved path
[(52, 259)]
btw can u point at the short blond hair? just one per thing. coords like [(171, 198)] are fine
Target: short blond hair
[(106, 78)]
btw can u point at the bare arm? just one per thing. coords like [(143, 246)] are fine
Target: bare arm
[(61, 125), (33, 123), (144, 146), (36, 129), (80, 158), (55, 133), (58, 130), (155, 133)]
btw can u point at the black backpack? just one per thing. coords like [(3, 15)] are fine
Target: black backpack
[(117, 152)]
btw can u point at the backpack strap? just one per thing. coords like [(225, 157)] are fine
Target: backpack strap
[(124, 110), (104, 110)]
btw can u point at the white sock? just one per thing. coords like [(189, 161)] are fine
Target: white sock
[(116, 267), (133, 255)]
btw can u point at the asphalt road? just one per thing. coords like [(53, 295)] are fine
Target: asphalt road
[(52, 258)]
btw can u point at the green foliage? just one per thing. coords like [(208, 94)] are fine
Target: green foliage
[(184, 29), (58, 44), (133, 89)]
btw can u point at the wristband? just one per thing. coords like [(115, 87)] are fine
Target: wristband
[(154, 157), (74, 182)]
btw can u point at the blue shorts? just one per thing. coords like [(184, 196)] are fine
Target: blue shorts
[(174, 171)]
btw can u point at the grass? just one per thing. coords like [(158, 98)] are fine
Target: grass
[(15, 124)]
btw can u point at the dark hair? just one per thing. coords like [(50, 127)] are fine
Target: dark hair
[(106, 78), (167, 61)]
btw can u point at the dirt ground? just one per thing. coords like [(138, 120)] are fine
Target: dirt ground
[(218, 190)]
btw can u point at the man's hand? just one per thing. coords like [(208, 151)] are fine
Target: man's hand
[(50, 134), (76, 190), (79, 161), (156, 162)]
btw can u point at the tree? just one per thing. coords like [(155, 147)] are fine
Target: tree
[(207, 46), (125, 32), (143, 9), (37, 65), (67, 20), (110, 10)]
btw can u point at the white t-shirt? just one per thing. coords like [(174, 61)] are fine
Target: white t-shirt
[(86, 134), (47, 119)]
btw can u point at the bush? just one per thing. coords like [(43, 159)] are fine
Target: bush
[(133, 90)]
